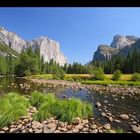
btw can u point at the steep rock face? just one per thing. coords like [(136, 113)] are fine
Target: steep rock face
[(120, 45), (12, 40), (120, 41), (49, 49), (104, 52)]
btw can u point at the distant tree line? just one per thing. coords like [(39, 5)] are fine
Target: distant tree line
[(129, 64), (30, 62)]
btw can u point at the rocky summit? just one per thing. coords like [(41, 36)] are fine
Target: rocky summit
[(120, 45), (49, 48)]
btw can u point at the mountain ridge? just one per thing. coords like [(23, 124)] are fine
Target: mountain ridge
[(120, 45), (49, 48)]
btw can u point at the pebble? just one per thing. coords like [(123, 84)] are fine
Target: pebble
[(107, 126)]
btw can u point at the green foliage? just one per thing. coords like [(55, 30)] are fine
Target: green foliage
[(119, 130), (108, 82), (58, 74), (72, 109), (28, 64), (127, 64), (136, 77), (98, 74), (37, 98), (117, 75), (27, 72), (8, 50), (12, 106), (64, 110)]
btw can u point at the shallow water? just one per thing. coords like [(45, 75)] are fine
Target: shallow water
[(129, 105)]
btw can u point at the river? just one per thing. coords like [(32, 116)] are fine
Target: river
[(114, 104)]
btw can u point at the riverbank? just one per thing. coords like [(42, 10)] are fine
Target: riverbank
[(26, 125), (117, 89)]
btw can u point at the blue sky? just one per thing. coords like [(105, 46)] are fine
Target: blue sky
[(79, 30)]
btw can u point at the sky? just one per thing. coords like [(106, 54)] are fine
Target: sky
[(78, 30)]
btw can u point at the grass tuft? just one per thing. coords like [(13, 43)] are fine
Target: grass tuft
[(12, 107)]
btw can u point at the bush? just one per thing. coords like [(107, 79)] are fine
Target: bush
[(117, 75), (98, 74), (12, 107), (27, 72), (59, 74), (136, 77)]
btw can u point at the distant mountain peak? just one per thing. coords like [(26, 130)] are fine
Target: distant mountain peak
[(121, 44), (49, 48), (120, 41)]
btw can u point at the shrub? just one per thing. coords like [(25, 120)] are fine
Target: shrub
[(12, 106), (27, 72), (136, 77), (59, 74), (98, 74), (117, 75)]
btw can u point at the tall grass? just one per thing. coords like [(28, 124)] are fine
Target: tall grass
[(12, 107), (64, 110), (119, 130), (68, 110)]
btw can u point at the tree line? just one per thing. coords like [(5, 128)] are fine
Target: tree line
[(126, 64), (30, 62)]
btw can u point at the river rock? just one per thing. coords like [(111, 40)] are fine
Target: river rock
[(61, 124), (44, 122), (36, 125), (51, 125), (38, 131), (12, 130), (70, 131), (98, 104), (85, 129), (124, 116), (75, 130), (103, 114), (107, 126), (77, 120), (85, 121), (19, 126), (105, 101), (69, 127), (30, 130), (5, 128), (135, 128), (94, 131), (110, 119), (23, 131), (79, 126), (118, 121), (122, 97), (47, 130), (93, 126), (57, 131)]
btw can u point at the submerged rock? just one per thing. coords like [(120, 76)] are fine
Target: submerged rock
[(98, 104), (124, 116), (107, 126)]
